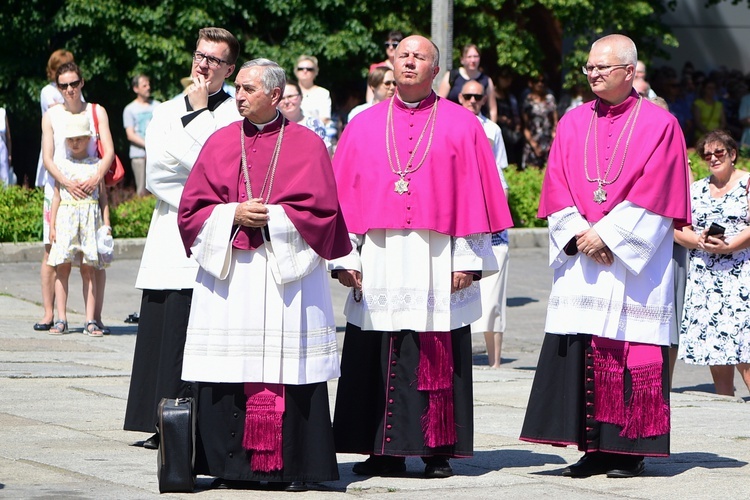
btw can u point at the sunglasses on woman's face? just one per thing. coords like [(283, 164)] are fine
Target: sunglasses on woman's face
[(718, 153), (73, 85)]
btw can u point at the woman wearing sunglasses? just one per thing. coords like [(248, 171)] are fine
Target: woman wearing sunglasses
[(70, 82), (715, 328), (316, 101)]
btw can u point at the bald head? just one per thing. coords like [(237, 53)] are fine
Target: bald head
[(472, 96), (622, 47), (415, 67)]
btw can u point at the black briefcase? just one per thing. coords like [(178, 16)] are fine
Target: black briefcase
[(176, 457)]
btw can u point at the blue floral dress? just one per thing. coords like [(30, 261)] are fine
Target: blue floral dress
[(715, 326)]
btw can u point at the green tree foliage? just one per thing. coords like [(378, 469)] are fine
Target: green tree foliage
[(114, 39)]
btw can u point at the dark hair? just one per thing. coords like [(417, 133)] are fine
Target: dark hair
[(718, 135), (219, 35), (67, 68), (376, 76), (295, 85), (395, 36), (137, 79)]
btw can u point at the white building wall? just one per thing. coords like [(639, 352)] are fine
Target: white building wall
[(709, 37)]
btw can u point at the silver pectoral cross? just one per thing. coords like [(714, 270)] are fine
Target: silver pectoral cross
[(600, 195), (401, 186)]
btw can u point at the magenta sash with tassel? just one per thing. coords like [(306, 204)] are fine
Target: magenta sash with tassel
[(646, 414), (264, 412), (435, 376)]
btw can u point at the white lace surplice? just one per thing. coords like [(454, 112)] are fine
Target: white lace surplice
[(406, 279), (632, 299), (270, 319)]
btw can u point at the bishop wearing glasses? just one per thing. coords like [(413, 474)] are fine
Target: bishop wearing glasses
[(615, 187)]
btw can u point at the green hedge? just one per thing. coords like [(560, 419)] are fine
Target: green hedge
[(21, 214)]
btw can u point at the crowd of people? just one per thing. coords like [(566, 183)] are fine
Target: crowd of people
[(257, 210)]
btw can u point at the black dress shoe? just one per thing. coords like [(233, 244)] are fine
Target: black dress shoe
[(152, 443), (296, 486), (627, 468), (43, 327), (234, 484), (380, 465), (437, 467), (589, 465)]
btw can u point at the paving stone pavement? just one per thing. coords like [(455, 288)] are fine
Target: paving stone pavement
[(62, 402)]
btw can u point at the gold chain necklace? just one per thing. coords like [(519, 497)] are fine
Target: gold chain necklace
[(270, 173), (402, 185), (600, 195)]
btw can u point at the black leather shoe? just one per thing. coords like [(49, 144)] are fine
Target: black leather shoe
[(591, 464), (437, 467), (152, 443), (296, 486), (380, 465), (623, 469), (43, 327)]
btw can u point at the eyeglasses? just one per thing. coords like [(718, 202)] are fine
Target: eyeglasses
[(477, 97), (305, 68), (601, 70), (213, 62), (289, 97), (391, 45), (390, 83), (73, 85), (718, 153)]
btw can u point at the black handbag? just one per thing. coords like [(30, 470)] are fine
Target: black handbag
[(176, 457)]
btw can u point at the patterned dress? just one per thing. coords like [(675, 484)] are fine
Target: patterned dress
[(716, 318), (541, 117), (77, 220)]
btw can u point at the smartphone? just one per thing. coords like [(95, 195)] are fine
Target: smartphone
[(715, 229)]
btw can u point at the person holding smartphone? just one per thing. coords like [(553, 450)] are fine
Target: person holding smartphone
[(716, 315)]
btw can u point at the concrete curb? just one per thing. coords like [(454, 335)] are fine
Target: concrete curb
[(132, 248)]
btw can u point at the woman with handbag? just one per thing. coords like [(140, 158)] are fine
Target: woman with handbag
[(69, 81)]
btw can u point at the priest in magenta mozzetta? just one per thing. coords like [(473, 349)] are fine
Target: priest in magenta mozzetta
[(615, 187), (421, 195), (260, 215)]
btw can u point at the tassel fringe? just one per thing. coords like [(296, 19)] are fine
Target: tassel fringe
[(648, 413), (263, 429), (435, 375), (609, 386)]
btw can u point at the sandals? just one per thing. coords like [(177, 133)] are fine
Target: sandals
[(92, 329), (59, 328), (104, 329)]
